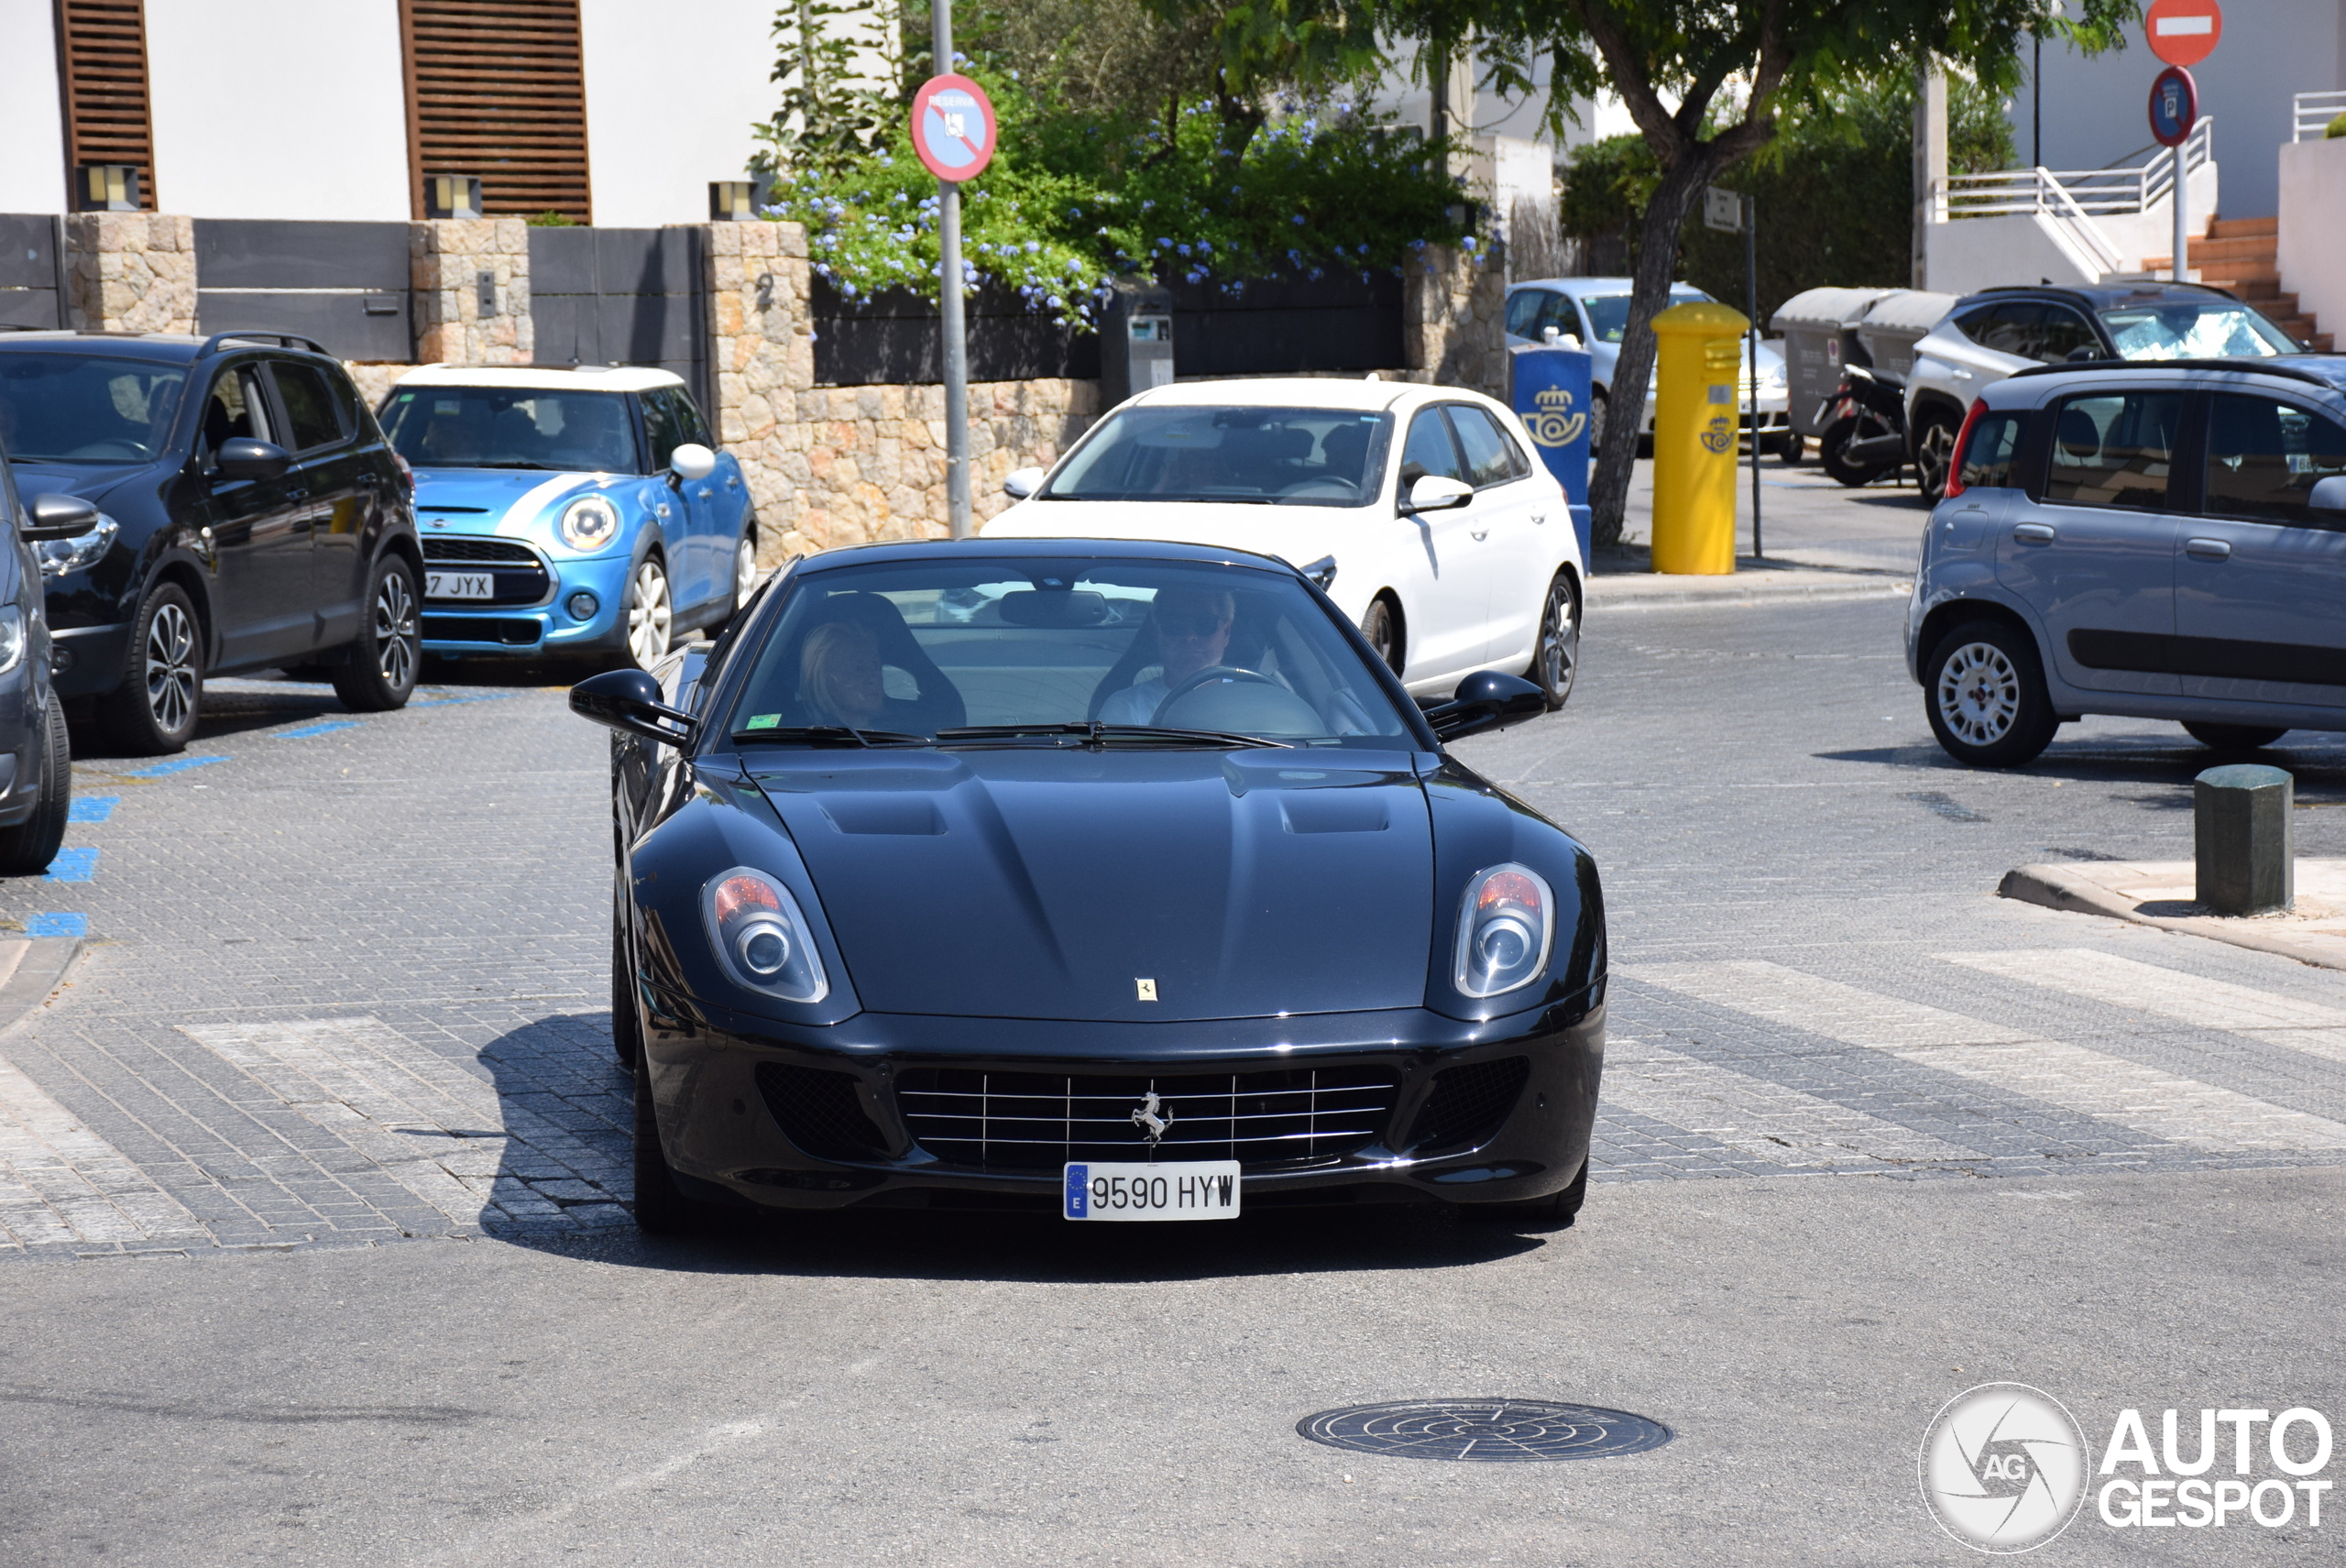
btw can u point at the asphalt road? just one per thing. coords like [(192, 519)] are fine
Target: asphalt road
[(1932, 1139)]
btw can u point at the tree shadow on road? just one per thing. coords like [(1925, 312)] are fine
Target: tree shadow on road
[(563, 1183)]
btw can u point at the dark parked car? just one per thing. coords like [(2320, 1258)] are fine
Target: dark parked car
[(36, 758), (902, 920), (251, 516)]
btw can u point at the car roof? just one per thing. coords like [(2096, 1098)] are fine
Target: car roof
[(543, 377), (1031, 549), (2327, 371), (1289, 391), (2104, 296), (175, 346)]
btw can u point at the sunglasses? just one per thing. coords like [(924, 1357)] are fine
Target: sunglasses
[(1190, 625)]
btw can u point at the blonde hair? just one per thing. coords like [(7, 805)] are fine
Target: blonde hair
[(823, 663)]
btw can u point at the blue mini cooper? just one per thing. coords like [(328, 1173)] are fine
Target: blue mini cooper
[(569, 510)]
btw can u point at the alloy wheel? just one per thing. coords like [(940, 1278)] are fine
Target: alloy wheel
[(1933, 452), (1559, 642), (648, 614), (170, 667), (1979, 693), (395, 631), (745, 570)]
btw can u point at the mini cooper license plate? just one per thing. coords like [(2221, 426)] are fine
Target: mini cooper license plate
[(1181, 1189), (459, 586)]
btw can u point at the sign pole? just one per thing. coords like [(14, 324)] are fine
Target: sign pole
[(2182, 213), (1751, 296), (948, 294)]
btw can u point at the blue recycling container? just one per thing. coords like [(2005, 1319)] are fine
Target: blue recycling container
[(1549, 386)]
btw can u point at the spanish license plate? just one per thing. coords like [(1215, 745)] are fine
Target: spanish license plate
[(1184, 1189), (459, 586)]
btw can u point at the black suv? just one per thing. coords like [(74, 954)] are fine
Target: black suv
[(36, 756), (252, 516)]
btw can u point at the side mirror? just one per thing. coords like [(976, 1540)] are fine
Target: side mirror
[(242, 457), (57, 517), (2328, 495), (628, 701), (2084, 353), (692, 461), (1484, 700), (1020, 483), (1437, 492)]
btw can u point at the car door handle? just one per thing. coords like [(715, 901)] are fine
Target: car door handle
[(1480, 533), (2208, 549), (2033, 533), (703, 492)]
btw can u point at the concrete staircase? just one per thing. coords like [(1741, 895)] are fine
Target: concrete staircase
[(2241, 255)]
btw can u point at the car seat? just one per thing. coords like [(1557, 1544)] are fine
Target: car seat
[(938, 705)]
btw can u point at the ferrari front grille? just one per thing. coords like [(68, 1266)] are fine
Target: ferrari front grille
[(442, 547), (1037, 1120)]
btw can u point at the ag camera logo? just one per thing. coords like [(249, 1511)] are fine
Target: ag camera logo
[(2003, 1467)]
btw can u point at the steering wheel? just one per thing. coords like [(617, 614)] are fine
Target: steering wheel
[(1210, 673)]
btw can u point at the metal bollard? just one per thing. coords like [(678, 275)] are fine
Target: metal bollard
[(2241, 834)]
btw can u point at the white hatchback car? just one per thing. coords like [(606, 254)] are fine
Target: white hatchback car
[(1420, 509)]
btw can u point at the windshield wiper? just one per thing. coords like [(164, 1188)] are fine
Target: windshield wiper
[(1096, 734), (829, 735)]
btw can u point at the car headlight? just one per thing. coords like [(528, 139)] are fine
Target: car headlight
[(589, 523), (59, 556), (760, 938), (11, 638), (1505, 929)]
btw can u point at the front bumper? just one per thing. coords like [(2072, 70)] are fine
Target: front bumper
[(543, 625), (831, 1118)]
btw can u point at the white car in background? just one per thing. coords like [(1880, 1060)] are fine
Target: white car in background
[(1592, 312), (1421, 510)]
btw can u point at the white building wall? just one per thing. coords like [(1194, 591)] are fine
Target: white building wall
[(277, 108), (32, 126), (2313, 229), (673, 91)]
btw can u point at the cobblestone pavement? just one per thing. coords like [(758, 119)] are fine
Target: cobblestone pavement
[(345, 977)]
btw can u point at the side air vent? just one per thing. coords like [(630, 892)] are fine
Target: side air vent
[(820, 1111), (1468, 1105)]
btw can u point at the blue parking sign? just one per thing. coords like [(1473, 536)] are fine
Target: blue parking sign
[(1550, 388)]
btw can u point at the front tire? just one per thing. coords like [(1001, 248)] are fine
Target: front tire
[(379, 672), (661, 1209), (1382, 627), (27, 849), (1598, 402), (1933, 452), (1831, 449), (153, 712), (1984, 690), (745, 573), (627, 1025), (1556, 660), (651, 612), (2233, 737), (1793, 449)]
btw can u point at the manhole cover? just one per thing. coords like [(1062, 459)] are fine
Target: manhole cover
[(1483, 1431)]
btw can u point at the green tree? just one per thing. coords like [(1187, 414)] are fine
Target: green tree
[(1672, 63)]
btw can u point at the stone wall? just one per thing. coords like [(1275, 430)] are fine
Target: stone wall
[(763, 352), (130, 272), (1453, 320), (445, 259)]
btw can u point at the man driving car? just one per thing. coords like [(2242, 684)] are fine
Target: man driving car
[(1193, 631)]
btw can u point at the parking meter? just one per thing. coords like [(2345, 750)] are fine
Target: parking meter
[(1696, 420), (1135, 342), (1548, 389)]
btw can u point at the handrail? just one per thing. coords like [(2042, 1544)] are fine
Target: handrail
[(2116, 190), (2310, 113)]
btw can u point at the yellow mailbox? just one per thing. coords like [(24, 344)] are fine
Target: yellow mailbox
[(1696, 418)]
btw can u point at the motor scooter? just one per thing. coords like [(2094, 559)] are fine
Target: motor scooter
[(1864, 426)]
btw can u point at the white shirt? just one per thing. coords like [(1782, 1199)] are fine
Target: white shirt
[(1134, 705)]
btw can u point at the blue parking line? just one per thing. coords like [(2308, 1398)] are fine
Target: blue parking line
[(93, 807), (72, 865), (326, 729), (176, 765), (58, 926), (452, 701)]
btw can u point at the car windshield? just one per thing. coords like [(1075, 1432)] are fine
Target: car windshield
[(1035, 653), (1609, 315), (2191, 329), (86, 408), (511, 427), (1262, 456)]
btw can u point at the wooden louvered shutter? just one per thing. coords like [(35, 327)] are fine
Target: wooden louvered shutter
[(101, 60), (496, 88)]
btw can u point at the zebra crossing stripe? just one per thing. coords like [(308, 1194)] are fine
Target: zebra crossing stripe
[(2132, 986), (2085, 1083), (1756, 1118)]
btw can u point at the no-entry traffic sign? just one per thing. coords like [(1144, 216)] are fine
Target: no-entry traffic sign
[(953, 127), (2175, 106), (2183, 32)]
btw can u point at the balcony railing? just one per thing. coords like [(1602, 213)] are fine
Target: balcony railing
[(2313, 113), (2132, 187)]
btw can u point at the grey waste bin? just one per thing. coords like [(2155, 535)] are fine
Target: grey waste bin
[(1892, 323), (1817, 332)]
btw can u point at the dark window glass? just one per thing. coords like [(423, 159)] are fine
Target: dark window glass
[(1430, 448), (1281, 457), (2064, 333), (76, 408), (1523, 310), (511, 427), (662, 427), (688, 413), (2015, 327), (1491, 457), (310, 417), (2114, 450), (1558, 312), (2264, 457), (1987, 456), (233, 411)]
